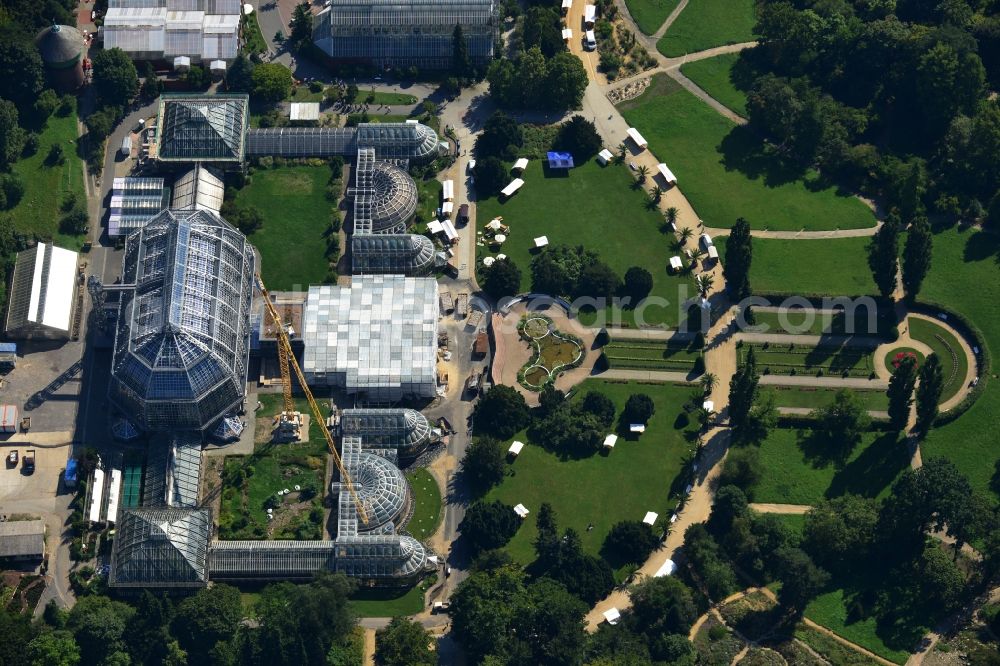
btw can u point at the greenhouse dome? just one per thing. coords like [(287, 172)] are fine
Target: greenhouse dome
[(394, 198)]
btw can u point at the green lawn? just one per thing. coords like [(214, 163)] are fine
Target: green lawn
[(426, 504), (708, 23), (715, 76), (954, 363), (390, 602), (823, 267), (830, 610), (650, 355), (963, 277), (793, 522), (255, 42), (390, 98), (296, 213), (591, 490), (45, 187), (595, 207), (801, 396), (806, 321), (726, 172), (649, 15), (428, 201), (802, 469)]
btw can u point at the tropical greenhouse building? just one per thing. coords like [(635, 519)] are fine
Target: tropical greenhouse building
[(405, 33), (410, 141), (201, 128)]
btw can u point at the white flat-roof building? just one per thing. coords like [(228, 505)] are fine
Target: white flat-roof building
[(515, 448), (43, 293), (199, 30), (377, 337), (304, 111)]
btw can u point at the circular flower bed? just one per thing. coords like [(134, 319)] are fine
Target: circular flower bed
[(554, 352), (895, 356)]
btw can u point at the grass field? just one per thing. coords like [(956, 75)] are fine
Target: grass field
[(834, 652), (590, 490), (595, 207), (824, 267), (830, 610), (255, 42), (426, 504), (707, 23), (801, 396), (793, 522), (803, 321), (954, 363), (45, 186), (710, 155), (389, 98), (803, 469), (296, 213), (650, 355), (963, 277), (715, 76), (649, 15), (791, 359)]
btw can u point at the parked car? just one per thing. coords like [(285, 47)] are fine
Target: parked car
[(12, 459)]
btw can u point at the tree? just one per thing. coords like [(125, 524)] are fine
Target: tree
[(708, 383), (198, 78), (929, 390), (502, 279), (53, 648), (801, 579), (883, 255), (12, 136), (502, 412), (565, 82), (638, 284), (148, 632), (490, 175), (704, 283), (743, 391), (547, 540), (639, 408), (76, 222), (655, 194), (840, 533), (630, 541), (739, 254), (115, 76), (22, 74), (205, 619), (550, 399), (900, 392), (404, 643), (663, 606), (601, 406), (249, 219), (578, 136), (598, 280), (670, 215), (151, 84), (489, 525), (483, 464), (730, 505), (542, 27), (98, 624), (483, 607), (916, 256), (553, 627), (843, 420), (643, 172), (301, 26), (239, 76), (272, 82), (461, 65), (742, 468), (501, 137)]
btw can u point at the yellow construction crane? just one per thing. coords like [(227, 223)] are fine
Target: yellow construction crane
[(286, 359)]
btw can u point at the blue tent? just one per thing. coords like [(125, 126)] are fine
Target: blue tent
[(560, 160)]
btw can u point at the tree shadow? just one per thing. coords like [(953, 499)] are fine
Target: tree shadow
[(744, 151), (819, 451), (873, 470)]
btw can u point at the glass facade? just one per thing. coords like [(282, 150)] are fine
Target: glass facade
[(406, 254), (207, 128), (182, 341), (406, 430), (161, 547), (403, 141)]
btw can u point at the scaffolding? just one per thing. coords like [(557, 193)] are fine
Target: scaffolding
[(402, 33)]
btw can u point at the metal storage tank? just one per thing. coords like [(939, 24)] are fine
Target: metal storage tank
[(62, 48)]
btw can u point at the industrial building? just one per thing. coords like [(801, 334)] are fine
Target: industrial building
[(22, 540), (62, 48), (404, 33), (164, 30), (43, 294), (134, 202), (376, 338), (182, 341), (201, 128)]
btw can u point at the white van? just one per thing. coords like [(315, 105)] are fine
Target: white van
[(589, 41)]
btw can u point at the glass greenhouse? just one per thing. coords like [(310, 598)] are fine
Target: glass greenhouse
[(401, 33), (161, 547), (410, 141), (164, 29), (134, 202), (404, 429), (201, 188), (196, 127), (407, 254), (182, 340)]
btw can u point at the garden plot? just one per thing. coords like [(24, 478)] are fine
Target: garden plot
[(652, 355), (802, 359)]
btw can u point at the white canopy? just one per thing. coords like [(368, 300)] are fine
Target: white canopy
[(447, 207), (636, 427), (541, 241), (304, 111), (609, 441), (712, 252), (673, 518), (521, 511), (218, 66), (612, 615), (706, 240), (514, 186), (676, 263), (494, 224), (449, 230), (448, 190), (651, 517), (521, 164), (488, 261), (501, 257), (182, 63), (515, 448), (97, 494), (589, 13), (567, 4), (567, 32), (668, 569), (708, 406), (604, 156), (633, 134), (667, 174), (500, 238), (435, 227), (247, 9)]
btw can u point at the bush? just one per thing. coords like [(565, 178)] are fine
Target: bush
[(630, 541), (56, 156), (30, 145), (489, 525), (12, 188), (638, 409)]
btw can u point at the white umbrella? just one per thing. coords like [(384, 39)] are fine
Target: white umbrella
[(488, 261), (500, 238), (501, 257), (494, 224)]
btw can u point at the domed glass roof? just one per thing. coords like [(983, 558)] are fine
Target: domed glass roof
[(404, 429), (382, 488), (394, 200)]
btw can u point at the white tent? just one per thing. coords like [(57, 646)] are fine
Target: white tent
[(589, 13), (521, 511), (667, 174), (604, 157), (449, 231), (447, 190), (673, 519), (668, 569), (567, 34), (488, 261), (304, 111), (567, 4), (708, 406), (706, 240), (114, 490), (712, 252), (521, 164), (612, 616), (500, 238), (494, 224), (218, 68), (96, 495), (676, 264), (514, 186), (633, 134), (435, 227), (515, 448), (651, 517), (637, 428), (610, 441), (501, 257), (182, 63), (448, 207), (541, 241)]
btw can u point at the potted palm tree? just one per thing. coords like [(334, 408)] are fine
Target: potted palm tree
[(708, 383), (686, 234), (655, 194), (643, 171)]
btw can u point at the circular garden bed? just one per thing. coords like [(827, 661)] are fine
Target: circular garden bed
[(553, 353)]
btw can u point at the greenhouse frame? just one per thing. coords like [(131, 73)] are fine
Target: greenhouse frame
[(208, 128), (201, 30), (404, 33), (407, 254), (397, 141), (406, 430), (161, 547)]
